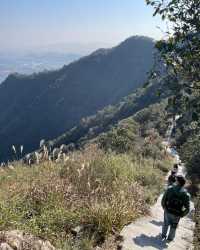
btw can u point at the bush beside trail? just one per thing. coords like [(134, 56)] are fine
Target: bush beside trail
[(95, 190)]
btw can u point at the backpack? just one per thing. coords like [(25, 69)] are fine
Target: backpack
[(175, 205)]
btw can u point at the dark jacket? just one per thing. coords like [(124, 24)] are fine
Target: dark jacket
[(171, 195)]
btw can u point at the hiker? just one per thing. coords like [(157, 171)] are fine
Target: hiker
[(172, 178), (175, 168), (176, 204)]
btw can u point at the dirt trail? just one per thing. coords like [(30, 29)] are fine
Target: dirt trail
[(145, 232)]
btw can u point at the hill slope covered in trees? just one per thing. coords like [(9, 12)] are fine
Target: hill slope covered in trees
[(90, 127), (45, 105)]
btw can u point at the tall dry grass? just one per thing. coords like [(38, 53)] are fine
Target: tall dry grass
[(100, 192)]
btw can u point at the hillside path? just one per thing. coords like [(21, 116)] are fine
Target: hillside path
[(145, 233)]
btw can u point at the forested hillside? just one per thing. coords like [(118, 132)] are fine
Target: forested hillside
[(44, 105), (90, 127)]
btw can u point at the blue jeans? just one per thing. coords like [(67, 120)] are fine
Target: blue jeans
[(170, 222)]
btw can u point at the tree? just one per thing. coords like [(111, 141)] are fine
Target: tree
[(181, 54)]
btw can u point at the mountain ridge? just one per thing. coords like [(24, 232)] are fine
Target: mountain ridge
[(46, 104)]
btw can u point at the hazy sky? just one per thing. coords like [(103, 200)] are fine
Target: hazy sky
[(37, 23)]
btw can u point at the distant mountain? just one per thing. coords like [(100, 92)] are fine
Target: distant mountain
[(46, 104), (33, 62)]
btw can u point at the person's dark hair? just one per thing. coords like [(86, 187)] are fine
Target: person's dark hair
[(181, 180), (176, 166)]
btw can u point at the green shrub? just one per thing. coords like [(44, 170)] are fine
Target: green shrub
[(190, 154), (164, 165), (121, 138)]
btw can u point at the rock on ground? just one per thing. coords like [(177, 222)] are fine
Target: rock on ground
[(17, 240)]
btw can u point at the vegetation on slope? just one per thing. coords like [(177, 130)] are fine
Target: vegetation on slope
[(44, 105), (103, 120), (99, 189), (101, 192)]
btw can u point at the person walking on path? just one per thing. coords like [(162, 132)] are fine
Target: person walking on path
[(176, 204), (172, 178), (175, 168)]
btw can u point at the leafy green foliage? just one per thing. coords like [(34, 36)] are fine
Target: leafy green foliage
[(190, 152), (123, 138), (180, 53), (138, 134), (153, 117)]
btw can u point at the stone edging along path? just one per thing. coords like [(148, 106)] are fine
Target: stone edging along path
[(144, 233)]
